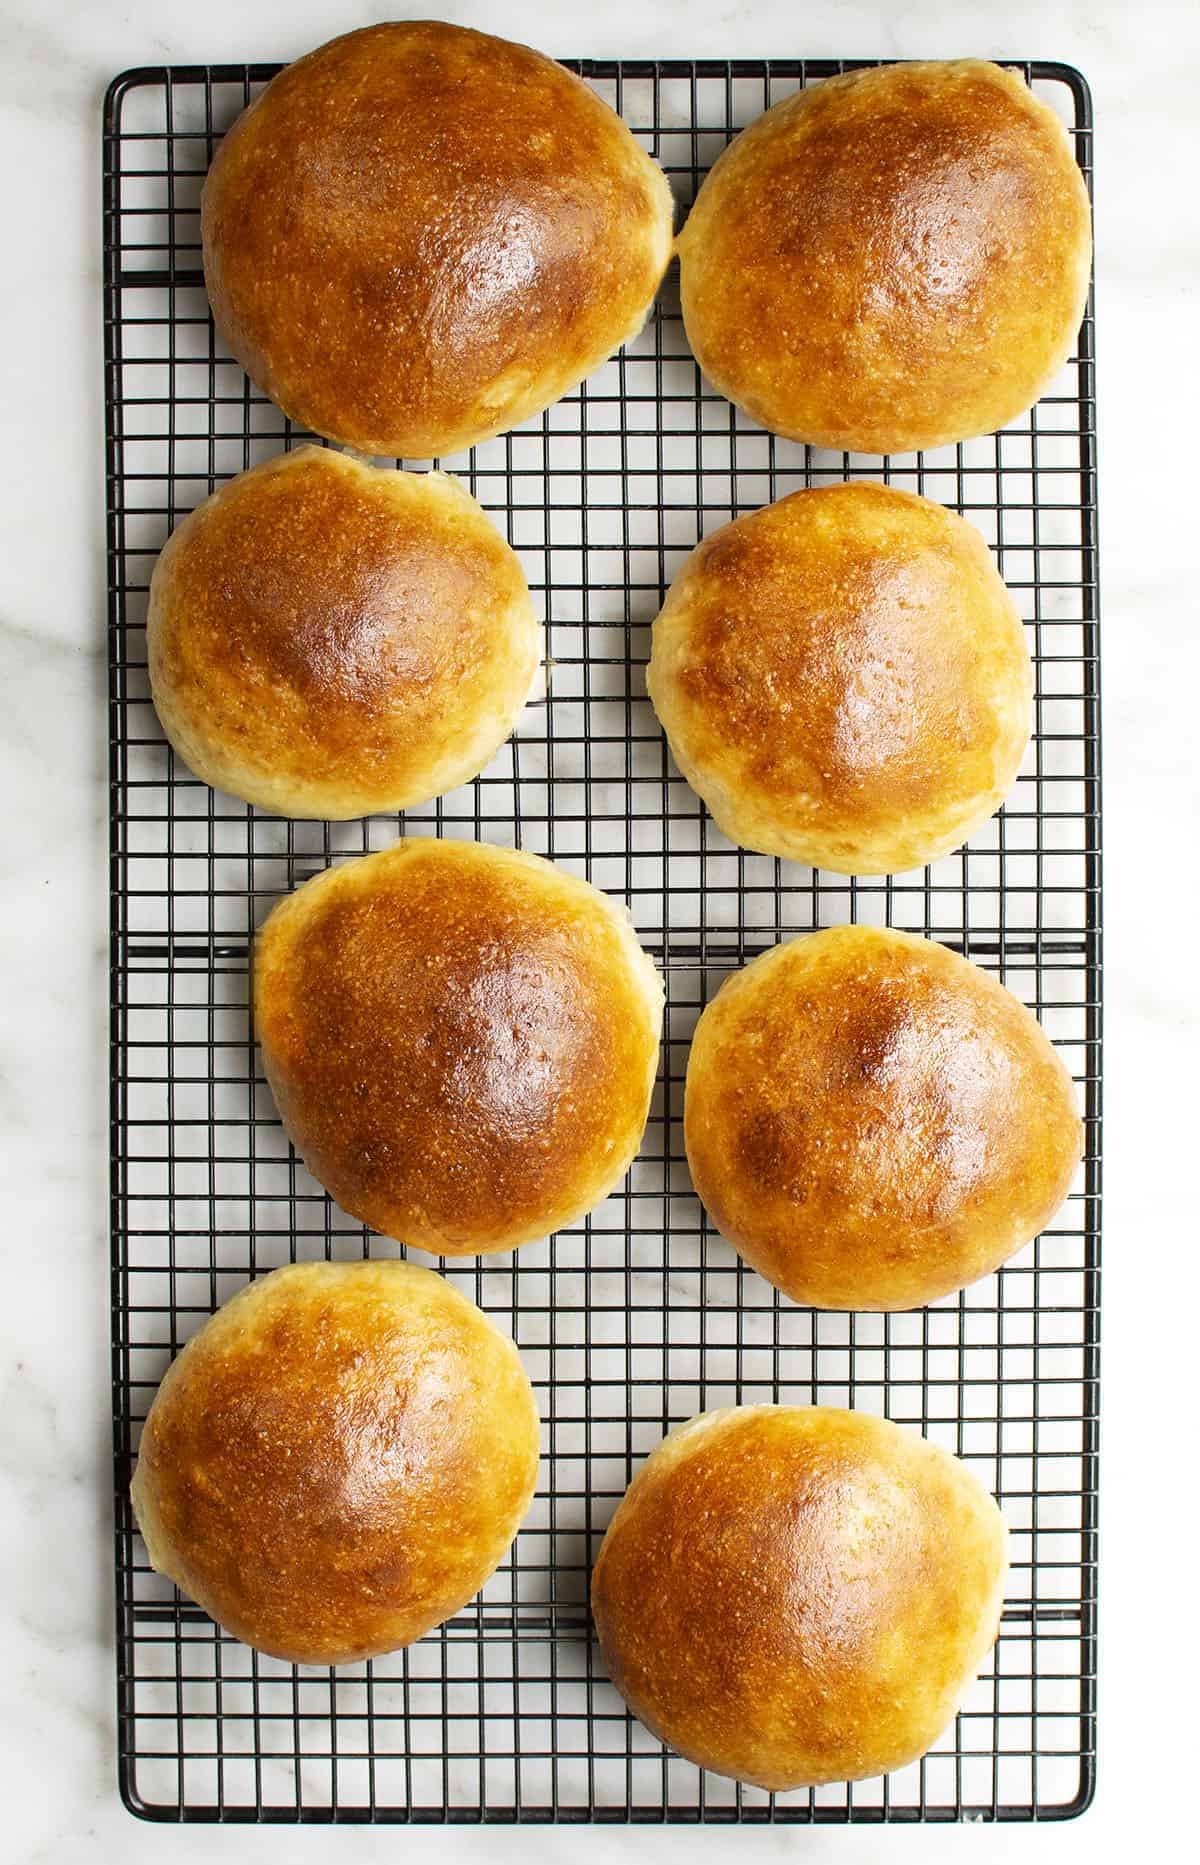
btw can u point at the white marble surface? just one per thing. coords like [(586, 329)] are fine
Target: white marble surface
[(56, 1706)]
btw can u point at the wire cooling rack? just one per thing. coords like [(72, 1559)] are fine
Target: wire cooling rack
[(639, 1316)]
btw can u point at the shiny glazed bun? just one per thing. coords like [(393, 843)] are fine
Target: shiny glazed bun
[(330, 639), (874, 1122), (338, 1460), (793, 1595), (844, 679), (420, 235), (897, 258), (462, 1041)]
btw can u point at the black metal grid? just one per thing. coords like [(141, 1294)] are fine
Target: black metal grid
[(639, 1316)]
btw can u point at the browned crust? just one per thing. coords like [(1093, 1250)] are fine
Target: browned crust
[(419, 235), (338, 1460), (874, 1122), (327, 639), (894, 259), (844, 678), (794, 1596), (462, 1041)]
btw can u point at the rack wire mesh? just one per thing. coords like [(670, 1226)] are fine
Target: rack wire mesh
[(640, 1315)]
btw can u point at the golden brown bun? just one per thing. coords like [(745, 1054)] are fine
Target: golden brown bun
[(330, 639), (338, 1460), (794, 1595), (874, 1122), (419, 235), (844, 679), (895, 259), (462, 1041)]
